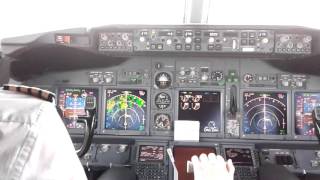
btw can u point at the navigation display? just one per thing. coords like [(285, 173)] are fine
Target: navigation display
[(203, 106), (265, 113), (125, 109), (182, 154), (239, 156), (151, 153), (305, 102), (72, 103)]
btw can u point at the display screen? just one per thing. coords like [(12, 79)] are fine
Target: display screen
[(126, 109), (151, 153), (239, 156), (265, 113), (72, 103), (182, 154), (203, 106), (304, 106)]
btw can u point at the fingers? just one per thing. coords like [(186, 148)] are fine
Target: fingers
[(212, 157), (230, 167), (195, 162)]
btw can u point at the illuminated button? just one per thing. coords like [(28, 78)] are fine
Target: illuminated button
[(159, 46), (197, 40), (263, 34), (188, 47), (178, 46), (169, 41), (211, 40), (210, 47), (197, 47), (204, 77), (252, 35), (285, 83), (188, 40), (299, 83), (265, 40), (108, 79), (218, 47), (142, 39)]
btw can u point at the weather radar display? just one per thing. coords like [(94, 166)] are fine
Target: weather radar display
[(265, 113), (125, 109)]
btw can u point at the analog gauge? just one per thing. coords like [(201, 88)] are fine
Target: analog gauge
[(162, 121), (217, 76), (265, 113), (162, 100), (163, 80)]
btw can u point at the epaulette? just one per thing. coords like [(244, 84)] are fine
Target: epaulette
[(32, 91)]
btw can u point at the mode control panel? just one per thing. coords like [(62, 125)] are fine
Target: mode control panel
[(258, 41), (293, 44), (115, 41)]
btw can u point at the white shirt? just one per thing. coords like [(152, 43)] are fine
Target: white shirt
[(34, 143)]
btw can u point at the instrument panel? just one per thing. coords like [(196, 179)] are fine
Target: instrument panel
[(246, 106)]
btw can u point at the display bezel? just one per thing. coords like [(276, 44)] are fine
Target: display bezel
[(137, 151), (124, 132), (98, 115), (240, 146), (222, 93), (293, 104), (264, 136)]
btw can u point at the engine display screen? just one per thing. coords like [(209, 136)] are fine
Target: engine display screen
[(72, 103), (203, 106), (305, 102), (239, 156), (126, 109), (182, 154), (265, 113), (151, 153)]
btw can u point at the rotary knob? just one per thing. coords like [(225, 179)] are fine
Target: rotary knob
[(247, 78), (192, 72), (169, 41)]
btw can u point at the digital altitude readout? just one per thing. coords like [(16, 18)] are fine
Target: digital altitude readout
[(148, 153), (72, 103), (239, 156), (265, 113), (203, 106), (126, 109), (305, 103)]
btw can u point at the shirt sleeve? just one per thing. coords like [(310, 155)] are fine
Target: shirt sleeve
[(53, 155)]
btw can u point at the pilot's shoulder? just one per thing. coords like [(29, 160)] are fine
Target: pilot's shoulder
[(22, 103), (18, 91)]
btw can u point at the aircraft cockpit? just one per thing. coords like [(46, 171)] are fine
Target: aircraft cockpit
[(250, 93)]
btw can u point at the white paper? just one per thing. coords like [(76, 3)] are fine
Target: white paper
[(186, 130)]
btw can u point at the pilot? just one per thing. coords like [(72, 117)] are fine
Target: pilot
[(34, 141)]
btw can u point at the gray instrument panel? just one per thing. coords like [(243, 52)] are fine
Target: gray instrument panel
[(141, 98)]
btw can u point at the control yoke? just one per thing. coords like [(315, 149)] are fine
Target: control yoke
[(89, 122)]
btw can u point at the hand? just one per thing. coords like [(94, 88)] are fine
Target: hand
[(212, 167)]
